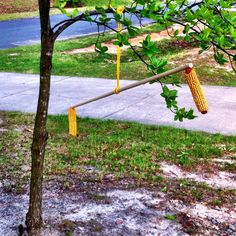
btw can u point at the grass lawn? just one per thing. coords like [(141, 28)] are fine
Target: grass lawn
[(27, 14), (17, 60), (15, 9), (123, 149), (13, 6)]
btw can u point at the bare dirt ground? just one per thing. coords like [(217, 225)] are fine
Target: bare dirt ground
[(85, 205), (220, 180), (115, 208)]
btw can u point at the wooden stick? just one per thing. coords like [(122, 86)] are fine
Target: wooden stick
[(136, 84)]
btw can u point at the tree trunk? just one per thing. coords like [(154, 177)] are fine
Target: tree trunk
[(34, 216)]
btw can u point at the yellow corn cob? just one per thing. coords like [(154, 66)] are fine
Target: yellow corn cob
[(196, 90), (120, 10), (72, 122)]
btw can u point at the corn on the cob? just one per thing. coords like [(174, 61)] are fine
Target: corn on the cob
[(72, 121), (196, 90), (120, 10)]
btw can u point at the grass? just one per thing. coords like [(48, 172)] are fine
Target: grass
[(123, 149), (27, 14), (12, 6), (137, 149), (17, 60), (17, 9), (170, 217)]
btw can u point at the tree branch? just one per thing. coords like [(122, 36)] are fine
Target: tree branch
[(63, 25)]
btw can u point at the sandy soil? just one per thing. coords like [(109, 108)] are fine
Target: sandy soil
[(92, 209), (221, 179)]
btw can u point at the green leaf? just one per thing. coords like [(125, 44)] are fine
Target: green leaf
[(75, 12), (182, 114), (100, 49), (220, 58), (126, 22), (170, 96), (176, 33), (117, 17), (221, 40), (186, 29), (133, 31)]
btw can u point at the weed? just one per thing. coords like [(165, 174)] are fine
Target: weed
[(183, 159), (68, 227), (170, 217), (215, 202)]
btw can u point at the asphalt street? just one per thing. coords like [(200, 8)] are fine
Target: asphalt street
[(19, 92), (22, 32)]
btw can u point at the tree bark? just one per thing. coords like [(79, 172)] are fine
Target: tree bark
[(34, 216)]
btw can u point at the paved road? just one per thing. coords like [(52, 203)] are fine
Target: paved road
[(18, 92), (26, 31)]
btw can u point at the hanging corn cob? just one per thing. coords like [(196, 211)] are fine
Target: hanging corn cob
[(119, 10), (72, 110), (72, 121), (191, 78), (196, 90)]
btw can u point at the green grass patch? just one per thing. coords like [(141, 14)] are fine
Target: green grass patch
[(28, 14), (13, 6), (170, 217), (11, 10), (136, 149), (21, 15), (123, 149)]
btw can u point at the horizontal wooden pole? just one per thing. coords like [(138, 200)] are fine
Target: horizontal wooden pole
[(136, 84)]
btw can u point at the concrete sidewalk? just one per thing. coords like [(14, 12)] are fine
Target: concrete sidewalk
[(19, 92)]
